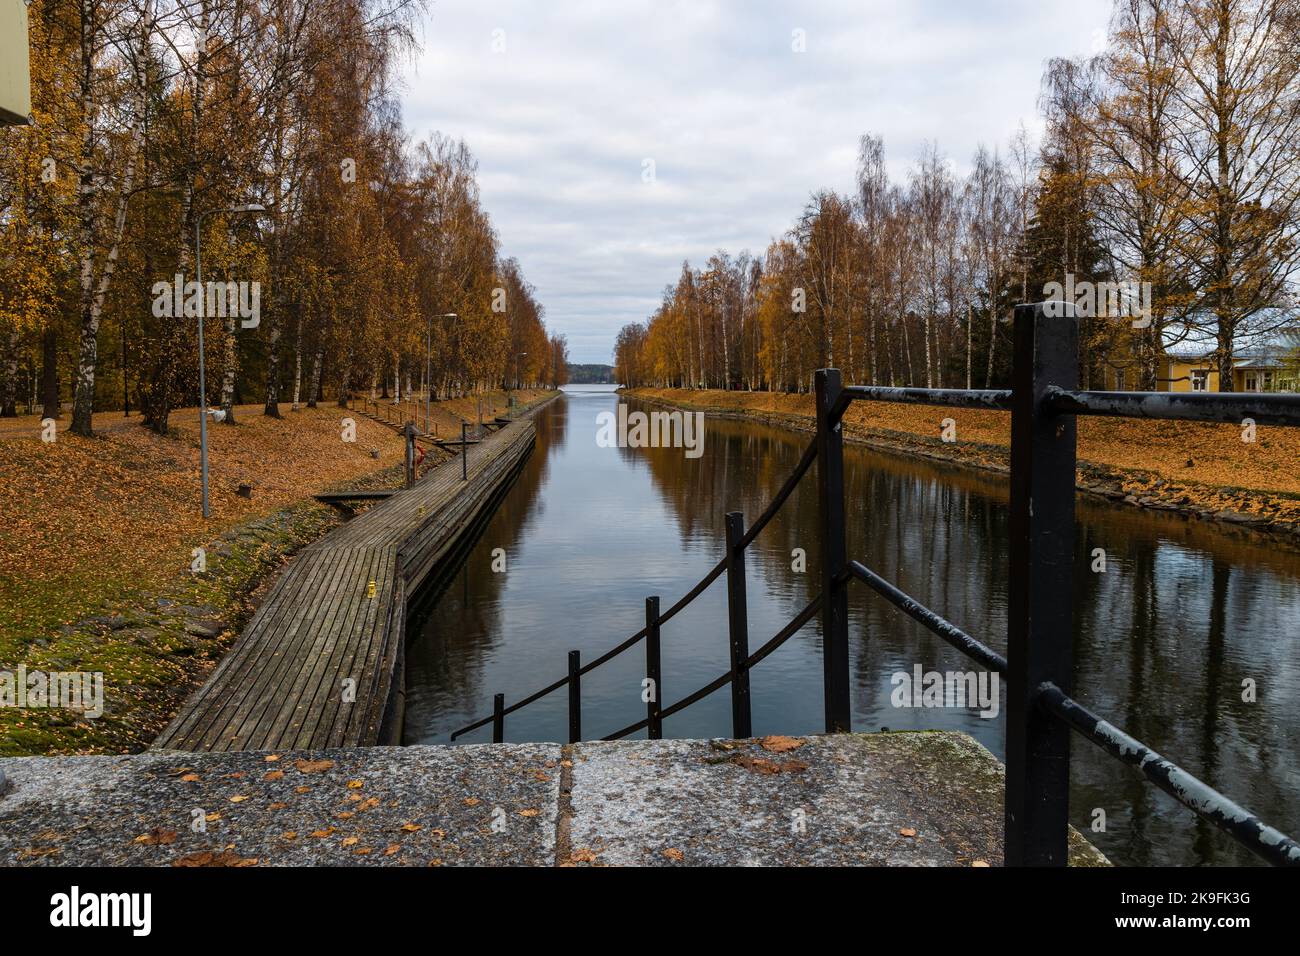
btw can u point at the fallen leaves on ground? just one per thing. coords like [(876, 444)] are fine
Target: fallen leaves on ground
[(778, 745), (157, 837), (313, 766), (770, 767), (36, 852), (208, 858)]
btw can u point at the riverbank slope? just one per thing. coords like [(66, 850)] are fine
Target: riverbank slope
[(1196, 468)]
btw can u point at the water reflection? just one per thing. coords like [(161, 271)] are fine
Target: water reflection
[(1183, 614)]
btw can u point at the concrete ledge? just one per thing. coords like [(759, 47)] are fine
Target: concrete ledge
[(895, 799), (889, 799), (413, 806)]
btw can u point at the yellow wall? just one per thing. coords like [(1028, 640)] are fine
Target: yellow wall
[(1183, 372)]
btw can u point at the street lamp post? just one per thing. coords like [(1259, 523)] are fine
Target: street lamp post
[(428, 368), (517, 368), (203, 391)]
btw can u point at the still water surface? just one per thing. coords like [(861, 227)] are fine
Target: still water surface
[(1184, 613)]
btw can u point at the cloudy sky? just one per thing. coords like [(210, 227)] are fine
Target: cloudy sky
[(566, 102)]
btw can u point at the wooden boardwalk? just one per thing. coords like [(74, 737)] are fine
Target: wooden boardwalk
[(321, 662)]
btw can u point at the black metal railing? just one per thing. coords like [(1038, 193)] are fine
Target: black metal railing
[(1044, 402)]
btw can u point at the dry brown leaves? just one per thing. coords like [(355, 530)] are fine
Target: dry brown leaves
[(769, 767), (209, 858)]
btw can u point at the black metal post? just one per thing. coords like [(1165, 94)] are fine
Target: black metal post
[(464, 462), (498, 718), (835, 599), (575, 697), (409, 431), (1040, 621), (652, 670), (738, 626)]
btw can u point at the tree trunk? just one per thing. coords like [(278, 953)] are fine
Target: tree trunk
[(272, 406), (970, 321), (9, 392), (993, 344), (50, 374), (297, 364), (345, 382), (230, 367), (313, 392)]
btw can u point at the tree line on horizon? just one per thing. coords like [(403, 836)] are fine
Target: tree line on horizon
[(1170, 161), (155, 117)]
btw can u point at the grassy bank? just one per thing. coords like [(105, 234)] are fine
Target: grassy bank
[(1198, 468), (97, 537)]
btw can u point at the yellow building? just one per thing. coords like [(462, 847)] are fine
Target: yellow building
[(1265, 356), (15, 80)]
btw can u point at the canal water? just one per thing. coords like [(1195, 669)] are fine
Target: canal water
[(1183, 615)]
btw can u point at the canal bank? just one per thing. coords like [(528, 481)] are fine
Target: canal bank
[(1199, 470), (100, 540), (853, 799)]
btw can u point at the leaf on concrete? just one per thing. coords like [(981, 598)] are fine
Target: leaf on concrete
[(208, 858)]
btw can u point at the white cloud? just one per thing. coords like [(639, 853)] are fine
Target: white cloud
[(741, 128)]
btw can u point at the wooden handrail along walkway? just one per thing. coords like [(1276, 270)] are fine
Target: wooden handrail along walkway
[(321, 662)]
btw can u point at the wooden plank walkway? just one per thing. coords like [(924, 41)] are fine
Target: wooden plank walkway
[(321, 662)]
